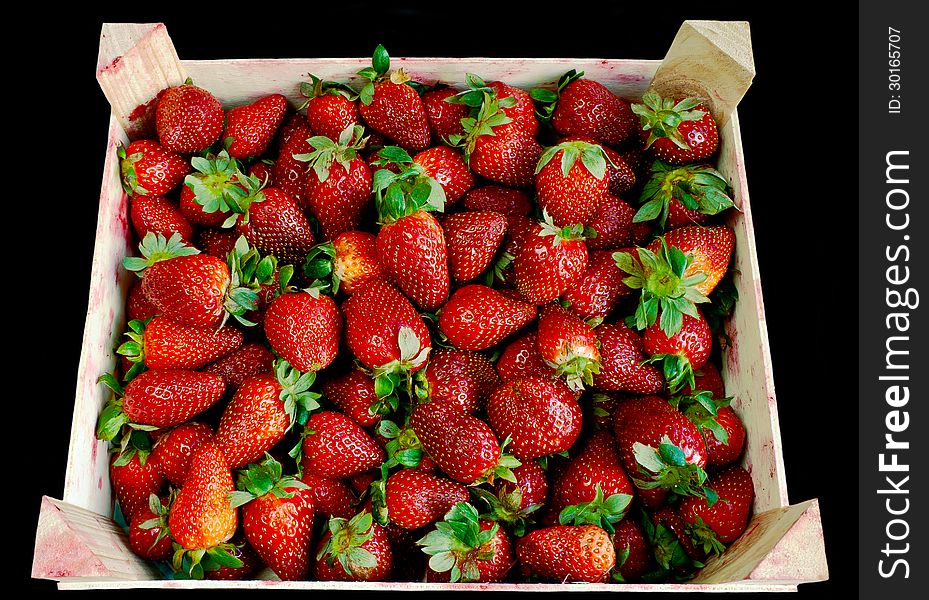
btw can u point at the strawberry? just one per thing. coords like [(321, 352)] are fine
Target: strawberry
[(672, 548), (188, 119), (273, 223), (392, 107), (569, 345), (164, 344), (496, 198), (513, 503), (711, 248), (249, 360), (539, 416), (447, 166), (721, 427), (711, 525), (158, 215), (599, 290), (621, 176), (568, 553), (500, 150), (148, 531), (335, 446), (520, 110), (467, 549), (212, 190), (330, 107), (586, 107), (195, 213), (414, 499), (262, 170), (633, 553), (570, 180), (613, 224), (277, 518), (459, 379), (472, 239), (290, 173), (444, 116), (134, 478), (478, 317), (331, 497), (175, 448), (353, 393), (244, 554), (138, 308), (338, 182), (682, 353), (250, 129), (521, 359), (355, 262), (355, 549), (708, 378), (549, 263), (464, 447), (621, 363), (262, 411), (304, 328), (675, 130), (148, 169), (216, 242), (684, 195)]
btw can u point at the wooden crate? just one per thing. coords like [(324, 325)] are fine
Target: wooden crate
[(78, 545)]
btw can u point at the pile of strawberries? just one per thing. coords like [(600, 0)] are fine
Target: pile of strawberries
[(419, 333)]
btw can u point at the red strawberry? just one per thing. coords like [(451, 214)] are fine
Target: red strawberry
[(304, 328), (148, 531), (478, 317), (682, 353), (497, 198), (676, 130), (212, 190), (262, 171), (138, 308), (711, 248), (520, 109), (447, 166), (355, 549), (159, 215), (331, 497), (273, 223), (472, 239), (708, 378), (201, 516), (330, 107), (570, 345), (166, 344), (392, 107), (721, 427), (188, 119), (600, 289), (134, 479), (570, 181), (613, 224), (216, 242), (469, 549), (148, 169), (252, 127), (175, 448), (249, 360), (508, 155), (549, 263), (633, 553), (712, 525), (673, 550), (353, 393), (243, 553), (415, 499), (621, 362), (290, 173), (355, 262), (459, 379), (513, 504), (568, 553), (412, 250), (522, 359), (336, 446), (539, 416), (684, 195), (586, 107), (444, 117)]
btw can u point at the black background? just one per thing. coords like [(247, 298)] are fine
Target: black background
[(796, 130)]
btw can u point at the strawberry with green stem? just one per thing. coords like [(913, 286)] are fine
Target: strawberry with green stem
[(513, 503), (355, 549), (148, 169), (447, 166), (134, 476), (466, 548), (392, 107), (444, 115), (149, 537), (346, 263), (161, 343), (330, 107), (678, 195), (569, 345), (250, 128), (513, 102), (550, 262), (570, 188), (402, 446), (713, 525), (188, 119), (674, 553), (633, 553), (677, 131), (721, 427), (211, 191), (681, 354)]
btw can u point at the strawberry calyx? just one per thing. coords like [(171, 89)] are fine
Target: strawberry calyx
[(600, 511), (704, 537), (576, 367), (661, 116), (378, 72), (666, 467), (669, 553), (488, 116), (113, 421), (318, 267), (194, 563), (702, 409), (546, 100), (405, 192), (299, 401), (134, 348), (317, 87), (697, 187), (403, 447), (155, 248), (160, 521), (663, 284), (248, 272), (592, 157), (502, 470), (326, 151), (260, 479), (395, 375), (346, 541), (216, 184), (457, 543), (677, 370), (504, 507), (129, 179), (571, 233)]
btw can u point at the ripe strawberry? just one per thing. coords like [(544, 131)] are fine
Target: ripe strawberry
[(304, 328), (262, 411), (613, 224), (466, 548), (621, 363), (188, 119), (250, 129), (549, 263), (273, 223), (513, 503), (569, 345), (721, 427), (708, 378), (414, 499), (148, 169), (392, 107), (212, 190), (520, 110), (711, 248), (201, 516), (412, 250), (444, 117), (165, 344), (521, 359), (710, 526), (459, 379), (148, 531), (331, 497), (173, 451), (353, 393), (138, 308), (194, 213), (496, 198), (277, 518), (243, 553), (330, 107), (338, 182), (478, 317), (354, 549), (633, 553), (290, 173), (586, 107), (502, 151), (682, 353), (249, 360), (685, 195), (472, 239), (570, 181), (134, 478), (335, 446), (539, 416), (355, 262), (447, 166), (677, 131), (158, 215), (600, 289), (262, 170), (568, 553)]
